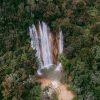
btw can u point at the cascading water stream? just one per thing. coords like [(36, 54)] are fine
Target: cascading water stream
[(48, 46)]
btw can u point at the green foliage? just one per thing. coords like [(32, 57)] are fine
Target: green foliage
[(54, 96), (79, 21), (20, 67), (19, 86), (17, 59)]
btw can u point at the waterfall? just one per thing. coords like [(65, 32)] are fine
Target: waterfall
[(48, 46)]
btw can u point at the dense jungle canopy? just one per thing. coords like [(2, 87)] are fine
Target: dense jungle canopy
[(80, 23)]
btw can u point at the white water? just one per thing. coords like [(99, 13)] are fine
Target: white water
[(42, 40)]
